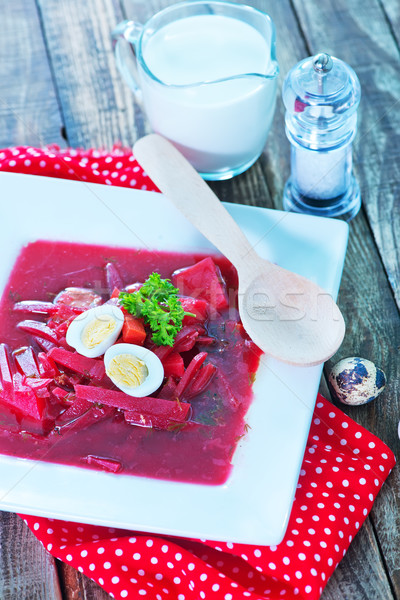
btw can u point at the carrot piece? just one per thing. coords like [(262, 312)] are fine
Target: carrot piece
[(190, 372), (133, 331)]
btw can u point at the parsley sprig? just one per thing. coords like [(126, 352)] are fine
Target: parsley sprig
[(159, 306)]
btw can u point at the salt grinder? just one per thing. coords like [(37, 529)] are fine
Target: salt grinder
[(321, 96)]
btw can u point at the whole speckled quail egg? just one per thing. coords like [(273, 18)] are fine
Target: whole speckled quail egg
[(356, 381)]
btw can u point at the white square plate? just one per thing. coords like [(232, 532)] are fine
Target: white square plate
[(254, 504)]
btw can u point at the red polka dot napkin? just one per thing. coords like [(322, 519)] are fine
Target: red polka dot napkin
[(344, 468)]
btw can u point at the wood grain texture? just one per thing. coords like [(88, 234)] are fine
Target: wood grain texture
[(373, 332), (366, 42), (360, 34), (29, 113), (99, 110), (76, 586), (355, 579), (97, 106), (391, 9), (27, 570)]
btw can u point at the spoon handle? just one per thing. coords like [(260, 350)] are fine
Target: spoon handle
[(184, 187)]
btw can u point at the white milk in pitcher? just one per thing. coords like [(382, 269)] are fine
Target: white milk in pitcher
[(220, 124)]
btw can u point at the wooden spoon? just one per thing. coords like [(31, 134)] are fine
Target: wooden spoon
[(288, 316)]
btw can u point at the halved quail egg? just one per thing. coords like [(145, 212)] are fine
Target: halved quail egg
[(95, 330), (135, 370)]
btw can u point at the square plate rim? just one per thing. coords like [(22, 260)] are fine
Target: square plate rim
[(224, 492)]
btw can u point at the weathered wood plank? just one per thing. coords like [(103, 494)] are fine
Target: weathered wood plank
[(90, 124), (359, 34), (77, 586), (97, 106), (373, 332), (355, 579), (392, 12), (29, 112), (365, 295), (27, 569), (29, 115)]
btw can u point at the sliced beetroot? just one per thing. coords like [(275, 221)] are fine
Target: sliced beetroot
[(173, 365), (64, 312), (80, 415), (200, 382), (205, 340), (39, 385), (168, 390), (24, 399), (78, 297), (105, 464), (62, 328), (77, 409), (35, 307), (41, 330), (26, 361), (6, 371), (190, 372), (45, 344), (225, 390), (147, 412), (105, 396), (87, 367), (113, 277), (160, 415), (202, 280), (187, 337), (47, 366), (161, 351), (185, 344), (63, 396), (196, 306)]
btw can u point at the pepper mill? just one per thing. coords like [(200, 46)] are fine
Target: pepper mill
[(321, 96)]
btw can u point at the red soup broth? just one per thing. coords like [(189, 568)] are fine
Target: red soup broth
[(199, 452)]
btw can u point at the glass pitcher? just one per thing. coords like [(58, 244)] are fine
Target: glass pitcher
[(205, 73)]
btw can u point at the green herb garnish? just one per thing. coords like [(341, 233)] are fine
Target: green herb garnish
[(159, 306)]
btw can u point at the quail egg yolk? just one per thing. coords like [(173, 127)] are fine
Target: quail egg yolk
[(98, 330), (127, 370)]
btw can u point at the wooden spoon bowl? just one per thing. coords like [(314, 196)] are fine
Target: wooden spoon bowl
[(288, 316)]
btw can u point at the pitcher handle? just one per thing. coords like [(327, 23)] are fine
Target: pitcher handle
[(125, 35)]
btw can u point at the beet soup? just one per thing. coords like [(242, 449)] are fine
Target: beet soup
[(61, 407)]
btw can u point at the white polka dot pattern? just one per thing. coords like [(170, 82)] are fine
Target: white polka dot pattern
[(156, 567), (343, 469)]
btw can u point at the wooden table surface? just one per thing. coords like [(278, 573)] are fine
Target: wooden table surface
[(59, 84)]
